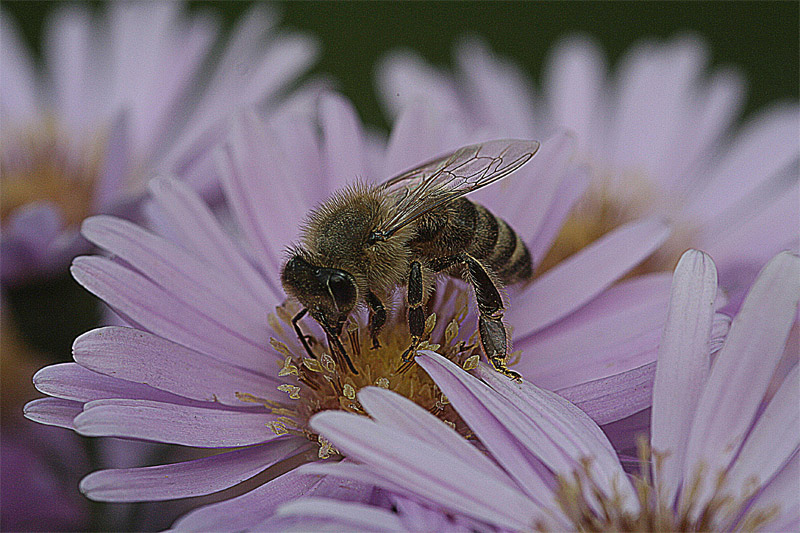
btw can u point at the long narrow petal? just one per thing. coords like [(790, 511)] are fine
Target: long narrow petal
[(249, 509), (344, 515), (190, 478), (159, 311), (580, 278), (774, 438), (400, 413), (616, 332), (200, 232), (74, 382), (524, 427), (173, 424), (576, 436), (53, 411), (142, 357), (428, 471), (683, 362), (781, 492), (343, 144), (179, 272), (741, 372)]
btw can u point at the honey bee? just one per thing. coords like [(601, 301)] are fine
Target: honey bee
[(368, 240)]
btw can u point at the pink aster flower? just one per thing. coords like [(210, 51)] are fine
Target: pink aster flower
[(721, 456), (658, 135), (210, 359), (123, 95)]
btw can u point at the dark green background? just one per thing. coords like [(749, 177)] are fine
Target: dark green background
[(760, 38)]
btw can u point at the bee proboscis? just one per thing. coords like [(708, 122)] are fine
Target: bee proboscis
[(367, 240)]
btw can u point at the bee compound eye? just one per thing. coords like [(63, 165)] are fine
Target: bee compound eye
[(343, 290)]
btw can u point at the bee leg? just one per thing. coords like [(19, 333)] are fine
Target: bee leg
[(377, 318), (337, 347), (303, 338), (416, 315), (490, 309)]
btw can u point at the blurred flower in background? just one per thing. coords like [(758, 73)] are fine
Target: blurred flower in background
[(722, 456), (658, 135), (124, 94)]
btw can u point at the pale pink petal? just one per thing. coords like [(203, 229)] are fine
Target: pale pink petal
[(404, 415), (572, 187), (773, 440), (404, 77), (173, 424), (74, 382), (142, 302), (346, 515), (267, 203), (766, 145), (578, 279), (762, 226), (498, 92), (573, 83), (782, 493), (53, 411), (199, 231), (342, 142), (18, 84), (419, 134), (249, 509), (140, 357), (66, 50), (683, 363), (713, 110), (523, 198), (190, 478), (741, 372), (428, 471), (625, 319)]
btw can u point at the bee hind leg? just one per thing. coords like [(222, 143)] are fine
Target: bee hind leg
[(490, 308)]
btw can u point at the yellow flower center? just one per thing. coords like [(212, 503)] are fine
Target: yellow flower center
[(39, 166), (321, 383), (606, 206)]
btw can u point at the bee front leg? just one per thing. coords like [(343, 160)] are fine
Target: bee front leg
[(304, 339), (377, 318), (416, 314)]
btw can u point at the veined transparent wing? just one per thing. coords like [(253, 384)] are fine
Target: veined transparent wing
[(442, 180)]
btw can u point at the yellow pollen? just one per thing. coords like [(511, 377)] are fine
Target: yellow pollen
[(655, 514), (324, 382)]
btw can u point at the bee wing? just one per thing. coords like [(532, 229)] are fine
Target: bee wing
[(442, 180)]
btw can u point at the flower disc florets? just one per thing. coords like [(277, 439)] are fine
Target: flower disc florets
[(590, 509), (324, 382)]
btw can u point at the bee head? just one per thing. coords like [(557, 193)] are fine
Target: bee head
[(330, 294)]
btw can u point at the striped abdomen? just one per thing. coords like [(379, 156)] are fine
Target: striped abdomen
[(499, 246), (464, 226)]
